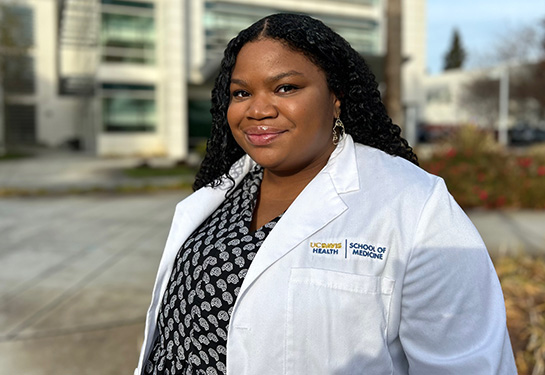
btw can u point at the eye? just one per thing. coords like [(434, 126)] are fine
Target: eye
[(286, 88), (240, 94)]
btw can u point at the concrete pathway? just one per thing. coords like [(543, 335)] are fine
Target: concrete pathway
[(75, 281), (511, 231), (53, 172)]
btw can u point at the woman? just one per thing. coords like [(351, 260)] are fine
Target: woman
[(313, 243)]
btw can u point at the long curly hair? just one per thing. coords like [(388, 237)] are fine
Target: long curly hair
[(348, 77)]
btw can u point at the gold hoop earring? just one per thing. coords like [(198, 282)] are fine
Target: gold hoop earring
[(338, 131)]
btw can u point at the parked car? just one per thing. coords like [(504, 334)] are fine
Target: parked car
[(525, 134)]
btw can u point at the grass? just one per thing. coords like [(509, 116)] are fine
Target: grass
[(13, 155)]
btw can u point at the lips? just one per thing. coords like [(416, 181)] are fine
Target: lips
[(262, 135)]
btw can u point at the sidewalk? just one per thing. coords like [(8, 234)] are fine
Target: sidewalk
[(76, 271), (76, 274), (55, 172)]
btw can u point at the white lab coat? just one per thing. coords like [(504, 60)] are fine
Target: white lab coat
[(373, 269)]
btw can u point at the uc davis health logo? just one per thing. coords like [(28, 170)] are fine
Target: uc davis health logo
[(347, 249), (326, 248)]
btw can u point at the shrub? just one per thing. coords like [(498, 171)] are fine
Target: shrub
[(479, 173)]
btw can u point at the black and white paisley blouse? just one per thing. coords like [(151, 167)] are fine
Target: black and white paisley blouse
[(193, 320)]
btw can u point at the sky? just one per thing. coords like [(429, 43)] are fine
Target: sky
[(481, 23)]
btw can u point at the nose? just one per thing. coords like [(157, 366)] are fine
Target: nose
[(262, 107)]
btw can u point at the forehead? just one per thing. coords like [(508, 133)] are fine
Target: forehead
[(271, 57)]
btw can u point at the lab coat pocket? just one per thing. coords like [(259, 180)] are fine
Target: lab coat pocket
[(336, 323)]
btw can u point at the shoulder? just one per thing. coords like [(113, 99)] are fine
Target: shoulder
[(393, 176)]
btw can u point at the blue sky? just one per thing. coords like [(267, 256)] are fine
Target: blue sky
[(481, 24)]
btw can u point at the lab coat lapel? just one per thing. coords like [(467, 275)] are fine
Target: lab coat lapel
[(317, 205), (190, 213)]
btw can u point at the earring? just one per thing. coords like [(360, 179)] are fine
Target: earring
[(338, 131)]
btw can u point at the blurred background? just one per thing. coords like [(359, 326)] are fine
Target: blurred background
[(104, 116)]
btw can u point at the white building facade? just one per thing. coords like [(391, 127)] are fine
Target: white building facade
[(449, 102), (133, 77)]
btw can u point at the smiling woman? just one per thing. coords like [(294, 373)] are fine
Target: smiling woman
[(281, 113), (281, 108), (313, 243)]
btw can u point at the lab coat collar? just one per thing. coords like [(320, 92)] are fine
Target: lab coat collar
[(341, 166)]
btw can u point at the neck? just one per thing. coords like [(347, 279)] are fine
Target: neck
[(286, 185)]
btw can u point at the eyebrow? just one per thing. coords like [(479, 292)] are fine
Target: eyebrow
[(275, 78)]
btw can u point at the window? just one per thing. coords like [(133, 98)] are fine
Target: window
[(16, 26), (438, 94), (20, 124), (223, 21), (16, 37), (199, 118), (128, 32), (19, 75), (129, 108)]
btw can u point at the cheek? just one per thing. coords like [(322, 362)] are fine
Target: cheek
[(230, 115), (232, 118)]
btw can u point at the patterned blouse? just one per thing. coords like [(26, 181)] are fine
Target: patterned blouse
[(193, 320)]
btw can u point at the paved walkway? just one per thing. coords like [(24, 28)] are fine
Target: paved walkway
[(75, 280), (64, 171), (76, 271)]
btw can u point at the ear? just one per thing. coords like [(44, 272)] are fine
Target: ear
[(337, 106)]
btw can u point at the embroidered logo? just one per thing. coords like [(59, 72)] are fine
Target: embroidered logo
[(366, 250), (326, 248), (347, 249)]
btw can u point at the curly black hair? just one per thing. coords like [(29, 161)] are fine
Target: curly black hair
[(348, 77)]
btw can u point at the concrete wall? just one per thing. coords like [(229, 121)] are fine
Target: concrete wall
[(56, 115), (414, 50), (444, 99)]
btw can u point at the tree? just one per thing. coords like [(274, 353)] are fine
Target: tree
[(455, 57), (392, 96)]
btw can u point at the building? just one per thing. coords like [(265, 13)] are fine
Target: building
[(133, 77), (475, 97), (445, 98)]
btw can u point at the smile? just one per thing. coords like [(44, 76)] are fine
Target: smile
[(262, 135)]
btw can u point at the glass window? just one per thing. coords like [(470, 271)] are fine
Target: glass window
[(20, 124), (362, 34), (223, 21), (128, 38), (129, 108), (200, 119), (19, 74), (16, 26), (135, 4), (438, 94)]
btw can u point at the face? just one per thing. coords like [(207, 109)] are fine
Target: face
[(281, 111)]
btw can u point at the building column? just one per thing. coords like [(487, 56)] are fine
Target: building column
[(174, 78)]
